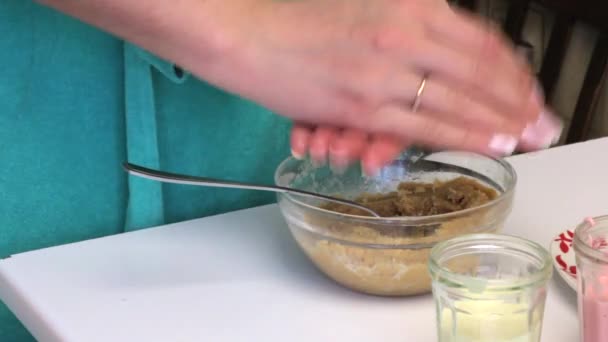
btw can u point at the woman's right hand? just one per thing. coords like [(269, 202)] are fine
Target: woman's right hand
[(350, 64), (358, 65)]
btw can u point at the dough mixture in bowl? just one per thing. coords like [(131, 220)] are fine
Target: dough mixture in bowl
[(391, 259), (423, 199)]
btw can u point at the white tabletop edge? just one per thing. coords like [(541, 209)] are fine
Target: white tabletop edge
[(14, 284)]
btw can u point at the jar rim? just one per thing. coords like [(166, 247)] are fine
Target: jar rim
[(504, 241), (581, 246)]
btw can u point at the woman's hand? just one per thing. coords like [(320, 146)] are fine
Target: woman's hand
[(358, 64), (489, 111), (342, 147), (350, 64)]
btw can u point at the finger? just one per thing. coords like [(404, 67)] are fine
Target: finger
[(544, 133), (346, 148), (448, 103), (444, 99), (319, 144), (484, 65), (299, 141), (472, 31), (424, 127), (381, 151), (474, 35), (493, 80), (463, 47)]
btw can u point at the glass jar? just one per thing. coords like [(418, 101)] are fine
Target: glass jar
[(489, 288), (591, 250)]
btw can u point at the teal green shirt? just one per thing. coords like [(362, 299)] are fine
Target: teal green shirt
[(76, 102)]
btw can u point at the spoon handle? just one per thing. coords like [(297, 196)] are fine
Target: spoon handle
[(167, 177)]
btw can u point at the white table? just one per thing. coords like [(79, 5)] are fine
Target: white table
[(240, 277)]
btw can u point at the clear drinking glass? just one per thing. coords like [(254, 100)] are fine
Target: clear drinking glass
[(591, 250), (489, 288)]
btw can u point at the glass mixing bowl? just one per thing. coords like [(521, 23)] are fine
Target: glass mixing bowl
[(386, 256)]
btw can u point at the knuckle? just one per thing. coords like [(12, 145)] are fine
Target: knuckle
[(390, 38), (489, 118), (372, 119), (529, 93), (494, 119), (472, 113), (432, 131), (467, 138), (495, 46), (481, 75), (489, 48), (465, 107), (514, 127), (519, 93), (455, 101), (353, 114), (372, 81), (411, 8)]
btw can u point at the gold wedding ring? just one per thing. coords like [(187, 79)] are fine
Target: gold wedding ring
[(418, 98)]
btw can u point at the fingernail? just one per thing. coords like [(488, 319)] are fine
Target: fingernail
[(543, 133), (503, 144), (297, 155)]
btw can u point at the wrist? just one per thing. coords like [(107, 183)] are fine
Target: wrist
[(230, 52), (198, 35)]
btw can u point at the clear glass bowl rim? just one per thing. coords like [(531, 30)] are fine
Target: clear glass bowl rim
[(404, 220)]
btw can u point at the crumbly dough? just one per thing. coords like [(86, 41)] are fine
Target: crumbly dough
[(423, 199), (345, 252)]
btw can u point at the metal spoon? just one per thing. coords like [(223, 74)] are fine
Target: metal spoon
[(414, 161), (168, 177)]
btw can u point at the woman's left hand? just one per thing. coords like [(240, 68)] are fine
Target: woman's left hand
[(342, 147)]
